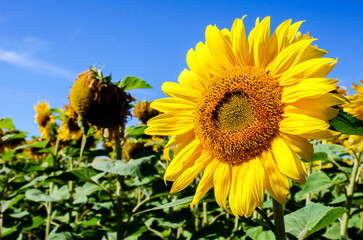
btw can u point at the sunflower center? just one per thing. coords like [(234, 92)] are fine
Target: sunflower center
[(239, 113), (43, 119), (234, 114)]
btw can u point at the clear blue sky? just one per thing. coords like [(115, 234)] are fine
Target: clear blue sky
[(45, 44)]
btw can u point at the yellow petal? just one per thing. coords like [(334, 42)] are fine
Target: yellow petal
[(275, 182), (189, 174), (222, 183), (260, 42), (293, 30), (234, 200), (192, 80), (298, 124), (219, 46), (314, 68), (206, 183), (166, 105), (288, 57), (287, 161), (240, 43), (246, 203), (310, 87), (172, 89), (202, 62), (184, 159), (300, 145), (281, 33), (312, 52), (254, 180)]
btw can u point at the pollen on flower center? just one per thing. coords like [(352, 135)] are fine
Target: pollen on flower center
[(239, 113), (234, 113)]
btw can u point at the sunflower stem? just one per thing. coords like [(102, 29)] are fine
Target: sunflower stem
[(267, 219), (350, 192), (119, 192), (51, 186), (279, 220)]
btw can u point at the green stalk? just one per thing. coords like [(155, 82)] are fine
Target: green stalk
[(119, 192), (70, 190), (279, 220), (350, 192), (51, 185)]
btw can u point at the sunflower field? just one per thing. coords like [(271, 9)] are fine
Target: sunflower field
[(253, 142)]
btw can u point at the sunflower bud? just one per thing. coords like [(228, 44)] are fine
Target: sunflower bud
[(98, 101), (144, 112)]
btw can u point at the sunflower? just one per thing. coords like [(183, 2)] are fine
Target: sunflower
[(44, 119), (355, 108), (243, 111), (69, 129)]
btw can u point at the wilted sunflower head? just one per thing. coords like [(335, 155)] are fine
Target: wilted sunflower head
[(98, 101), (244, 111), (44, 119), (144, 112), (132, 148), (69, 129)]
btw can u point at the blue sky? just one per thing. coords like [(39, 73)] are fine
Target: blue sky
[(45, 44)]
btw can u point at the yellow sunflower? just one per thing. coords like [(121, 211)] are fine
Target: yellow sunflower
[(69, 129), (243, 112), (355, 108), (44, 118)]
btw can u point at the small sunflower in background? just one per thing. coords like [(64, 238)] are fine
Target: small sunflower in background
[(244, 111), (69, 129), (355, 108), (45, 119), (144, 112)]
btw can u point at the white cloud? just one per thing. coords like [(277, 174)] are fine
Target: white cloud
[(26, 61)]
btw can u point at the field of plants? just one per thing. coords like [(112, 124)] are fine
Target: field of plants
[(80, 181)]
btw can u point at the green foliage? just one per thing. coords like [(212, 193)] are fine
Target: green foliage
[(77, 180), (347, 124), (131, 82), (7, 123), (311, 218)]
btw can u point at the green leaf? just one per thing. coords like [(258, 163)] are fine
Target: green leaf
[(5, 231), (91, 222), (329, 149), (346, 124), (135, 131), (134, 167), (316, 182), (37, 195), (41, 144), (83, 192), (333, 232), (84, 174), (37, 221), (7, 123), (179, 202), (7, 204), (256, 231), (311, 218), (133, 83), (62, 232), (11, 136)]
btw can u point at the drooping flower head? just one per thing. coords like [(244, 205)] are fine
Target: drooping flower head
[(44, 119), (244, 110), (355, 108), (98, 101)]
